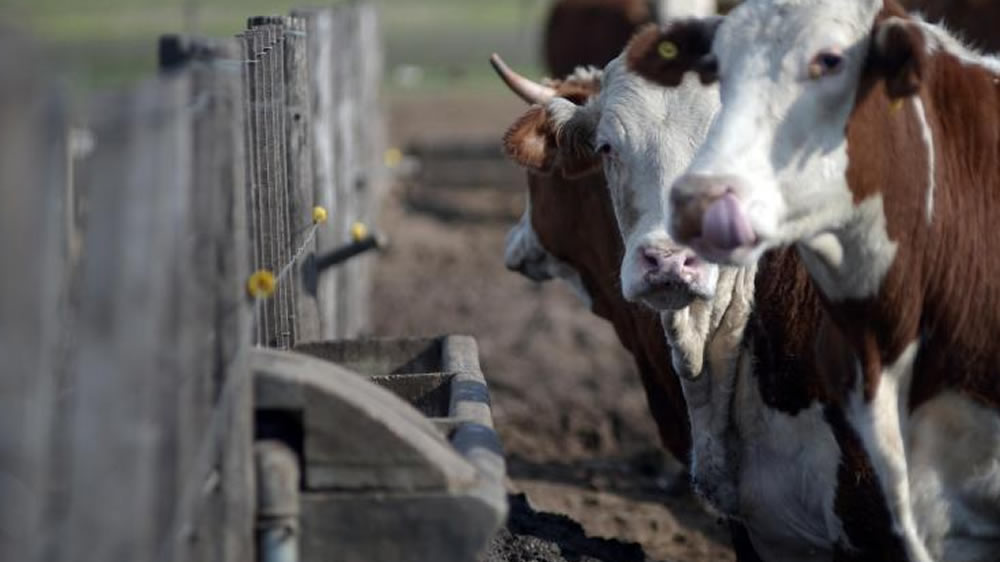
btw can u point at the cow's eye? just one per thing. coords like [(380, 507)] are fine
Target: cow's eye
[(603, 148), (825, 63)]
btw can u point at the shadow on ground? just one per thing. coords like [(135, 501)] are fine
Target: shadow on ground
[(536, 536)]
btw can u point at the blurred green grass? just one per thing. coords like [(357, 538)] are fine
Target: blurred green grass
[(103, 43)]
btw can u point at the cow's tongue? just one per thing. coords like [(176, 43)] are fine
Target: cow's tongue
[(725, 226)]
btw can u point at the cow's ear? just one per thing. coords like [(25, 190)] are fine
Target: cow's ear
[(664, 54), (899, 56), (554, 137), (575, 127), (531, 141)]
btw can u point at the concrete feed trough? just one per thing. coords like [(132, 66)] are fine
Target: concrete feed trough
[(407, 468)]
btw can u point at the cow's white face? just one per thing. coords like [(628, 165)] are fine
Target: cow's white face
[(646, 136), (773, 167)]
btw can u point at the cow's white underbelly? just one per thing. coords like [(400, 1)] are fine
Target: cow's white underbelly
[(953, 454), (787, 478)]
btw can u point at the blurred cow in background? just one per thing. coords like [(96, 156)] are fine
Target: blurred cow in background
[(974, 20), (592, 32)]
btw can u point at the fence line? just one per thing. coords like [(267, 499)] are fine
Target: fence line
[(127, 241)]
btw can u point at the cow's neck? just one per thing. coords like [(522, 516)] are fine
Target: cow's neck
[(783, 331), (925, 228), (710, 327)]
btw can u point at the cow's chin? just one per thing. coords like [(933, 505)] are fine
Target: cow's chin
[(673, 295)]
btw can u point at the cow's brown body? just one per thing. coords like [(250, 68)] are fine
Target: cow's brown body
[(944, 285)]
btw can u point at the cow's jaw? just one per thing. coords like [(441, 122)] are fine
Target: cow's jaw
[(773, 168)]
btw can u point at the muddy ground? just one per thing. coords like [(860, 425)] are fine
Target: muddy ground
[(568, 405)]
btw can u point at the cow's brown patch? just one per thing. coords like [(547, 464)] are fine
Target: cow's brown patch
[(943, 288), (664, 54)]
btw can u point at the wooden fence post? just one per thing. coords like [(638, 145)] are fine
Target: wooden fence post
[(345, 61), (215, 307), (127, 374), (320, 59), (299, 166), (33, 294)]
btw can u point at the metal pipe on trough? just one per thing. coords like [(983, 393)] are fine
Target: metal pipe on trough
[(278, 511)]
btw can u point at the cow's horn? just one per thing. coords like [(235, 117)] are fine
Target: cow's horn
[(528, 90)]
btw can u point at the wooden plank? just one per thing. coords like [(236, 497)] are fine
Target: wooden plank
[(34, 252), (370, 131), (265, 137), (215, 522), (124, 483), (344, 60), (250, 81), (283, 223), (320, 58), (299, 168), (345, 78)]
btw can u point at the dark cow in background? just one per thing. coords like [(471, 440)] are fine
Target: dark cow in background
[(592, 32), (976, 21)]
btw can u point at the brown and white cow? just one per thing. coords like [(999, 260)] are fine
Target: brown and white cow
[(769, 448), (869, 140), (569, 232)]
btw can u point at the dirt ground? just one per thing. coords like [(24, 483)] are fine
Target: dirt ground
[(567, 402)]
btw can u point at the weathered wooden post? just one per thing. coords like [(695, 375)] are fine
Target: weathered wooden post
[(33, 295), (221, 398), (299, 160), (345, 57), (152, 437)]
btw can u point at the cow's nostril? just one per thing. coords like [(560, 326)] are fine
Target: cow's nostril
[(650, 260), (691, 261)]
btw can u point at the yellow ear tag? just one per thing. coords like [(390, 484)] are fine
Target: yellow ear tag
[(319, 214), (667, 49), (895, 105), (261, 284), (358, 231)]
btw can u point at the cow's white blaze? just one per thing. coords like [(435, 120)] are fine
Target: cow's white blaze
[(927, 136)]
